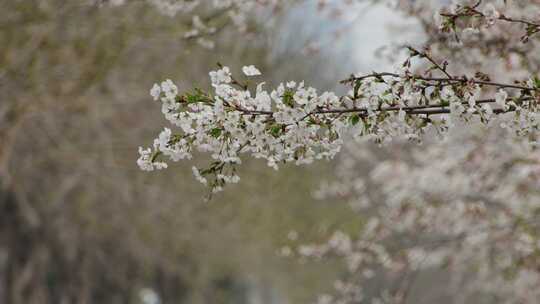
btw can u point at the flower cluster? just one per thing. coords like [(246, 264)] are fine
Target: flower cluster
[(488, 36), (478, 15), (467, 201), (295, 123), (465, 207), (454, 207), (271, 125), (222, 13)]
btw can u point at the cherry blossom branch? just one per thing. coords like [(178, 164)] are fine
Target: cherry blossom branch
[(489, 15), (293, 123)]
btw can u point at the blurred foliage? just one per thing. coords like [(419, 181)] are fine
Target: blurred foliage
[(79, 223)]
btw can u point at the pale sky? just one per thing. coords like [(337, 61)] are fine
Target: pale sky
[(349, 42)]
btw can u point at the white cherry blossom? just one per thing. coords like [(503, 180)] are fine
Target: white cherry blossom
[(251, 71)]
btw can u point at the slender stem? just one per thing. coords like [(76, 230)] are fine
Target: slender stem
[(430, 59), (438, 79), (513, 20), (411, 110)]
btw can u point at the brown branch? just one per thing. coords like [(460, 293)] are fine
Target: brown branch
[(430, 59), (463, 79), (410, 110), (522, 21)]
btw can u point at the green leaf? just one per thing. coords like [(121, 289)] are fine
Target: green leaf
[(216, 132), (288, 98), (536, 81), (275, 130), (155, 156), (191, 98), (354, 119), (195, 97)]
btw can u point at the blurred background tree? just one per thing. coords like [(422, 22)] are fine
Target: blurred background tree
[(79, 223)]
